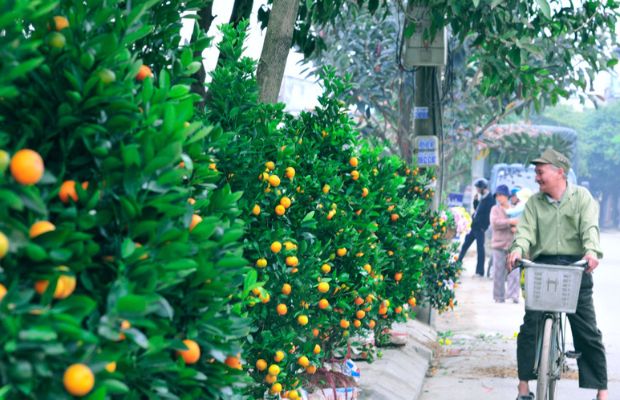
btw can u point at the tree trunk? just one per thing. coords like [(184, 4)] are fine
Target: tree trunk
[(204, 21), (278, 41), (405, 107), (242, 9)]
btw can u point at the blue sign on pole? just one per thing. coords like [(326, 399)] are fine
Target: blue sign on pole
[(420, 113)]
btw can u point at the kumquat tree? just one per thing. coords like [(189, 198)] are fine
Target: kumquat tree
[(153, 246)]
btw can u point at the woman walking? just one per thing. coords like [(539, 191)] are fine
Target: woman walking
[(505, 285)]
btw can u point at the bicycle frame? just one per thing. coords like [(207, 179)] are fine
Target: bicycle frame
[(558, 356)]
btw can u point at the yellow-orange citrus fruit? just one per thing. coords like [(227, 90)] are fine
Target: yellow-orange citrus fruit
[(4, 245), (394, 217), (398, 310), (27, 167), (326, 268), (323, 304), (290, 172), (355, 175), (233, 362), (274, 180), (353, 162), (270, 165), (382, 310), (41, 286), (344, 324), (412, 301), (67, 191), (276, 388), (360, 314), (111, 367), (2, 291), (280, 210), (302, 320), (261, 364), (358, 301), (357, 323), (364, 192), (78, 380), (60, 22), (398, 276), (286, 289), (274, 370), (372, 324), (192, 354), (276, 247), (303, 361), (323, 287), (315, 332), (293, 395), (292, 261), (281, 309), (326, 189), (144, 72), (256, 209), (317, 349), (196, 219), (285, 202), (261, 263), (40, 227), (125, 324), (265, 298), (311, 369), (341, 252), (279, 356), (191, 201), (368, 268), (271, 379)]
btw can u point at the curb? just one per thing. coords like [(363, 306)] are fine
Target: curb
[(400, 373)]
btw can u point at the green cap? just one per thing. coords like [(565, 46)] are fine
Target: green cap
[(554, 158)]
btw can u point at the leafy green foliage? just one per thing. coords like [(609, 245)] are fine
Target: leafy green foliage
[(126, 239), (353, 217)]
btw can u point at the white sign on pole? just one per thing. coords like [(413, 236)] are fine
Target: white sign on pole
[(427, 151)]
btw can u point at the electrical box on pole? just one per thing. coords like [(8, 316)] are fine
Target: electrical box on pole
[(419, 49)]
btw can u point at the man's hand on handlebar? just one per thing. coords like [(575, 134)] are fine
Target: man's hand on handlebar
[(592, 262), (511, 260)]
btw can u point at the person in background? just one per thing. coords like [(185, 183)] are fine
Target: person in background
[(514, 199), (480, 223), (502, 235)]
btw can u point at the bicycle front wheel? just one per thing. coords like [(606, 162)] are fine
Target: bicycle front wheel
[(542, 387)]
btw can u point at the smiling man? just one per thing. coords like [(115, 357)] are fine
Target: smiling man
[(560, 226)]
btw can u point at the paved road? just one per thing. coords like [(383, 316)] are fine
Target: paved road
[(480, 363)]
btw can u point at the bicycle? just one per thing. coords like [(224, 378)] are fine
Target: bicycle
[(553, 290)]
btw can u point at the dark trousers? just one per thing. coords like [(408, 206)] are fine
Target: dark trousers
[(477, 235), (587, 338)]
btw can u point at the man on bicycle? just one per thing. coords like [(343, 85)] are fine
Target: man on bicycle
[(560, 226)]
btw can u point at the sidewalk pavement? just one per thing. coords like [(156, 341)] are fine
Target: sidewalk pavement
[(400, 373)]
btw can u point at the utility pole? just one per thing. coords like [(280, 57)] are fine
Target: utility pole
[(428, 120), (426, 55)]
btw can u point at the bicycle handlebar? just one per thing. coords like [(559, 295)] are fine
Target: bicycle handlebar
[(523, 263)]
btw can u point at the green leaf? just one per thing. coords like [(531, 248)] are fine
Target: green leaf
[(182, 264), (544, 7), (127, 248), (131, 304), (114, 386), (178, 91), (23, 68), (38, 334), (476, 3)]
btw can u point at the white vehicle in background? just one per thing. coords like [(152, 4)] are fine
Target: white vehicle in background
[(518, 176)]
